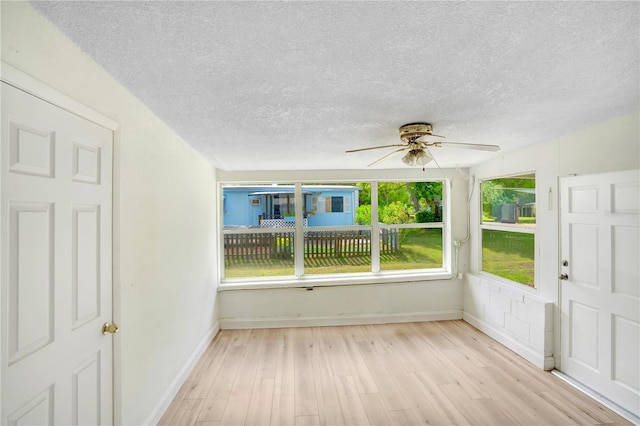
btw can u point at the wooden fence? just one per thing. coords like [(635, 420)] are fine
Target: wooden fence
[(317, 244), (258, 246)]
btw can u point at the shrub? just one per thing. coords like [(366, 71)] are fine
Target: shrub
[(425, 216)]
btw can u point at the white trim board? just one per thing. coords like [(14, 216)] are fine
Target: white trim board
[(168, 397), (35, 87), (249, 323), (595, 395), (546, 363)]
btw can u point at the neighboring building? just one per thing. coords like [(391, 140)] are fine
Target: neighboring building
[(274, 205)]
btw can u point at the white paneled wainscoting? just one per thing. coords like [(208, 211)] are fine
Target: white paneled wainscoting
[(517, 318)]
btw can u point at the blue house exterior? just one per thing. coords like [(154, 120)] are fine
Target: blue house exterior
[(274, 205)]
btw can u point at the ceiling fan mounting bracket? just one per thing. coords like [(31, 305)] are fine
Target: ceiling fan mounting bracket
[(412, 131)]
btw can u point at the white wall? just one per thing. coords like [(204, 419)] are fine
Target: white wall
[(165, 254), (524, 319), (352, 304), (164, 221)]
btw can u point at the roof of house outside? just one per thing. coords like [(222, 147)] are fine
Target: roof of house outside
[(283, 189)]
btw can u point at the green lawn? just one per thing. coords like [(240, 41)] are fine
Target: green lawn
[(419, 248), (509, 255)]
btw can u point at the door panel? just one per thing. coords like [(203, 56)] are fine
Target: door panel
[(31, 278), (86, 264), (626, 246), (600, 304), (56, 265), (583, 251), (583, 337)]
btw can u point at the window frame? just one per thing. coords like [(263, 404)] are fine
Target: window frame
[(507, 227), (375, 275)]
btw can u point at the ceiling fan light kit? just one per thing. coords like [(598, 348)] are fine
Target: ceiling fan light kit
[(414, 136), (417, 157)]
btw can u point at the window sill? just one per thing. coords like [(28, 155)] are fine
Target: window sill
[(509, 227), (503, 281), (312, 281)]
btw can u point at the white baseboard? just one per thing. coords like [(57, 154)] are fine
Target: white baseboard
[(182, 376), (538, 359), (632, 417), (247, 323)]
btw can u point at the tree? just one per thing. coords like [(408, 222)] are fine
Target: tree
[(363, 214), (390, 192), (364, 196), (426, 197), (401, 202), (497, 192), (395, 212)]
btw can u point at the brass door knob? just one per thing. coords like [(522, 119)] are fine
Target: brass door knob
[(110, 328)]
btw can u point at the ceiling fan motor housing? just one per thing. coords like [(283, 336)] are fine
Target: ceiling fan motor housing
[(412, 131)]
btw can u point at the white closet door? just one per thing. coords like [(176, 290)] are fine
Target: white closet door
[(56, 265)]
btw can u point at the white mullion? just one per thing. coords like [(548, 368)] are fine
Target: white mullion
[(375, 229), (220, 225), (425, 225), (509, 228), (447, 259), (298, 238), (342, 228)]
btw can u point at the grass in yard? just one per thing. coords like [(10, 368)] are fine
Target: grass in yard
[(258, 268), (509, 255), (419, 249)]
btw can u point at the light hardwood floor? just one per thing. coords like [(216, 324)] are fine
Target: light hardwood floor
[(404, 374)]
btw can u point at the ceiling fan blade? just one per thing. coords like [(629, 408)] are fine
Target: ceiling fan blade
[(375, 147), (389, 155), (479, 147)]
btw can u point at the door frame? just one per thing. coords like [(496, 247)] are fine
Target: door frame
[(28, 84)]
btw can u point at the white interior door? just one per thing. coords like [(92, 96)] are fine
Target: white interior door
[(56, 265), (600, 295)]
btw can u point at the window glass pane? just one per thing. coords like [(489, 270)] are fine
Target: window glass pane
[(258, 206), (258, 254), (509, 255), (509, 200), (410, 248), (336, 204), (409, 202), (259, 224), (337, 252)]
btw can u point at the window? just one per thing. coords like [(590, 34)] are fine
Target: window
[(337, 204), (337, 228), (508, 227), (410, 217)]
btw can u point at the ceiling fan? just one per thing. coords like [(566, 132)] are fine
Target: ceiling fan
[(415, 137)]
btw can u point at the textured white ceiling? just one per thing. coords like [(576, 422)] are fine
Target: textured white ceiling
[(292, 85)]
